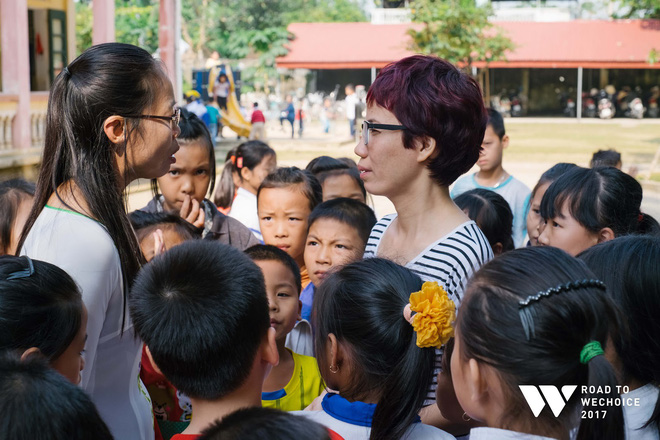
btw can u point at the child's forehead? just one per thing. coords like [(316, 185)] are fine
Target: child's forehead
[(330, 226), (276, 268), (285, 196)]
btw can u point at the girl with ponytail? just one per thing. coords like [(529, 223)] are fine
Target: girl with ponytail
[(537, 321), (368, 351), (253, 161)]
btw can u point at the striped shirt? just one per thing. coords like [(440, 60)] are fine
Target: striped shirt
[(450, 260)]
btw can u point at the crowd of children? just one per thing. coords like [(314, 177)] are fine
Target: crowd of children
[(287, 310)]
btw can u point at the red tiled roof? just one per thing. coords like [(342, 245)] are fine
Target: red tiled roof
[(590, 44)]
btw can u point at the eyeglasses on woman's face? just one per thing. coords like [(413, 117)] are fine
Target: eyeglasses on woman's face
[(173, 120), (368, 126)]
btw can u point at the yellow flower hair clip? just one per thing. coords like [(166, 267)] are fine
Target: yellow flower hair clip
[(434, 317)]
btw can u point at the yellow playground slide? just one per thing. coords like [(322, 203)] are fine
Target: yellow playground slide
[(232, 117)]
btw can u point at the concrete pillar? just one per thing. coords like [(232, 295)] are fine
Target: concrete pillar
[(604, 78), (167, 40), (16, 65), (103, 28)]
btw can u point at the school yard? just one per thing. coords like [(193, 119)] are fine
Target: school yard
[(535, 145)]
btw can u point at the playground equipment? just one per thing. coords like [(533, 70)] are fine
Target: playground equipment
[(232, 116)]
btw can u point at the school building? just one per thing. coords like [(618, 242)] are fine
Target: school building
[(550, 59), (37, 40)]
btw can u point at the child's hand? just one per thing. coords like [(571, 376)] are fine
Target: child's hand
[(191, 212), (159, 242), (316, 403)]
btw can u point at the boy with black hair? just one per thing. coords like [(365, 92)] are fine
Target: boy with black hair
[(201, 309), (606, 158), (261, 423), (493, 176), (337, 235), (296, 381), (39, 403)]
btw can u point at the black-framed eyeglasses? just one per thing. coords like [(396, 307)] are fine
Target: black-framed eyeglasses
[(367, 126), (173, 120)]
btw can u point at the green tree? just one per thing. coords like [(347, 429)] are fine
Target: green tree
[(638, 9), (458, 31)]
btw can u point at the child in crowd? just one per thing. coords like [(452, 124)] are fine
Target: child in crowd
[(42, 315), (202, 311), (253, 161), (228, 184), (262, 423), (606, 158), (285, 199), (630, 267), (158, 232), (493, 176), (536, 317), (214, 120), (337, 235), (190, 179), (337, 178), (258, 120), (16, 197), (366, 351), (534, 220), (295, 382), (588, 206), (37, 403), (492, 214)]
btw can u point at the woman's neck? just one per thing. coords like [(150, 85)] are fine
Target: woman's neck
[(419, 210)]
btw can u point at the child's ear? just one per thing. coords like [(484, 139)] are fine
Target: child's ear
[(151, 359), (115, 128), (477, 383), (32, 351), (497, 248), (246, 173), (505, 141), (269, 353), (427, 149), (605, 234)]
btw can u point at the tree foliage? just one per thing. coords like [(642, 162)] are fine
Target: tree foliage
[(458, 31), (639, 9)]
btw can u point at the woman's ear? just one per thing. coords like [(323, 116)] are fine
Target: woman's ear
[(605, 234), (115, 128), (32, 351), (427, 149)]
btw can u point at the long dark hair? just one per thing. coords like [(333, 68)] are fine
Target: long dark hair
[(362, 305), (193, 129), (491, 331), (602, 197), (12, 194), (630, 266), (105, 80)]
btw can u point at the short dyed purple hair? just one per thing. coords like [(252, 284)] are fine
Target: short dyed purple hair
[(431, 97)]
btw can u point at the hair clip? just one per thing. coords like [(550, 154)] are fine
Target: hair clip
[(23, 273), (527, 314), (434, 315), (239, 162), (233, 160)]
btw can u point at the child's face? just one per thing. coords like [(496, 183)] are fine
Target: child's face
[(564, 232), (283, 214), (534, 219), (70, 363), (492, 146), (342, 185), (251, 179), (170, 238), (190, 175), (330, 243), (283, 297)]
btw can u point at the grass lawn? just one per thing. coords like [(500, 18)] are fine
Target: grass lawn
[(551, 142)]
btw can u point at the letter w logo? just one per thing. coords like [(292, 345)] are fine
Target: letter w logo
[(551, 394)]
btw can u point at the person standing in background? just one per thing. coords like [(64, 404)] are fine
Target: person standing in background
[(351, 100)]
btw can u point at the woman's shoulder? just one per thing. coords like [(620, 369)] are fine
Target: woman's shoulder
[(68, 238)]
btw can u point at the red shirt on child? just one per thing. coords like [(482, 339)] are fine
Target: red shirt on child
[(258, 116)]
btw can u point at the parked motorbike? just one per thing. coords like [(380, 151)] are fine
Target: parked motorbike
[(635, 109), (516, 107), (653, 110), (605, 108), (570, 110), (588, 106)]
